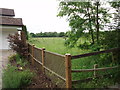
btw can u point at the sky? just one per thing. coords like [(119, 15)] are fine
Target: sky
[(38, 15)]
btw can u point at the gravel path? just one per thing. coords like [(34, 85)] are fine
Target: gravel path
[(3, 62)]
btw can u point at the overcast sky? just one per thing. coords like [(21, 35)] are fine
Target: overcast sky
[(37, 15)]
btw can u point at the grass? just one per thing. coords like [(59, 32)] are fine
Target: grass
[(57, 45), (96, 83)]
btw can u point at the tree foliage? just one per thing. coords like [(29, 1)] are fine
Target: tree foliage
[(112, 38), (83, 17)]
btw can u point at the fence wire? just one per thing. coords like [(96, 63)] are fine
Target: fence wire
[(30, 48), (30, 52), (56, 63), (38, 54)]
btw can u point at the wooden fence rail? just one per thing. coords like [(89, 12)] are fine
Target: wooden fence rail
[(95, 53), (97, 69), (95, 74), (91, 78)]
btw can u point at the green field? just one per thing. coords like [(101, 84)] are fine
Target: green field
[(56, 45)]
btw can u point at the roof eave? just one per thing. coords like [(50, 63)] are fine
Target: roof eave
[(6, 15), (11, 25)]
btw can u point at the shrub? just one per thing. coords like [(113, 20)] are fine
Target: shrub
[(13, 78), (18, 44)]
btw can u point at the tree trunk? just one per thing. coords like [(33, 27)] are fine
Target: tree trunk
[(97, 25), (90, 26)]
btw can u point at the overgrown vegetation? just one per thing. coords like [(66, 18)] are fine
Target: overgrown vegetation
[(16, 75)]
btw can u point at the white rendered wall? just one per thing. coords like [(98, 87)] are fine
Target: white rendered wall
[(0, 60), (3, 36), (0, 38)]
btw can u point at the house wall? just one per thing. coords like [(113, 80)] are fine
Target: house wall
[(3, 36), (0, 39)]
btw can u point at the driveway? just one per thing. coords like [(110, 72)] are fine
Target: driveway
[(4, 61)]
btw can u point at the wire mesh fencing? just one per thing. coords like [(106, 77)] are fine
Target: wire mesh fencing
[(51, 64)]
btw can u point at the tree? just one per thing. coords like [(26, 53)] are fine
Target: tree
[(24, 28), (97, 17), (112, 37), (48, 34), (114, 34), (116, 6), (61, 34), (32, 35), (82, 17)]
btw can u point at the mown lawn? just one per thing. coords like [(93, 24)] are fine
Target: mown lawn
[(57, 45)]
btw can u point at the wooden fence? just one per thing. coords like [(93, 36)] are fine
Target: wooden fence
[(55, 66), (58, 67), (95, 69)]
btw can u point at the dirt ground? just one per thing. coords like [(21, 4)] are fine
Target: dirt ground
[(40, 80)]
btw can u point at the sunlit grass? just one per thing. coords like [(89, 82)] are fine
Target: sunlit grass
[(55, 45)]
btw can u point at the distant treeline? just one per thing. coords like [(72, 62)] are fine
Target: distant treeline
[(48, 34)]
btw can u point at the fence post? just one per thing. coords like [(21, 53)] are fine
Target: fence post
[(43, 60), (33, 54), (95, 66), (68, 70)]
